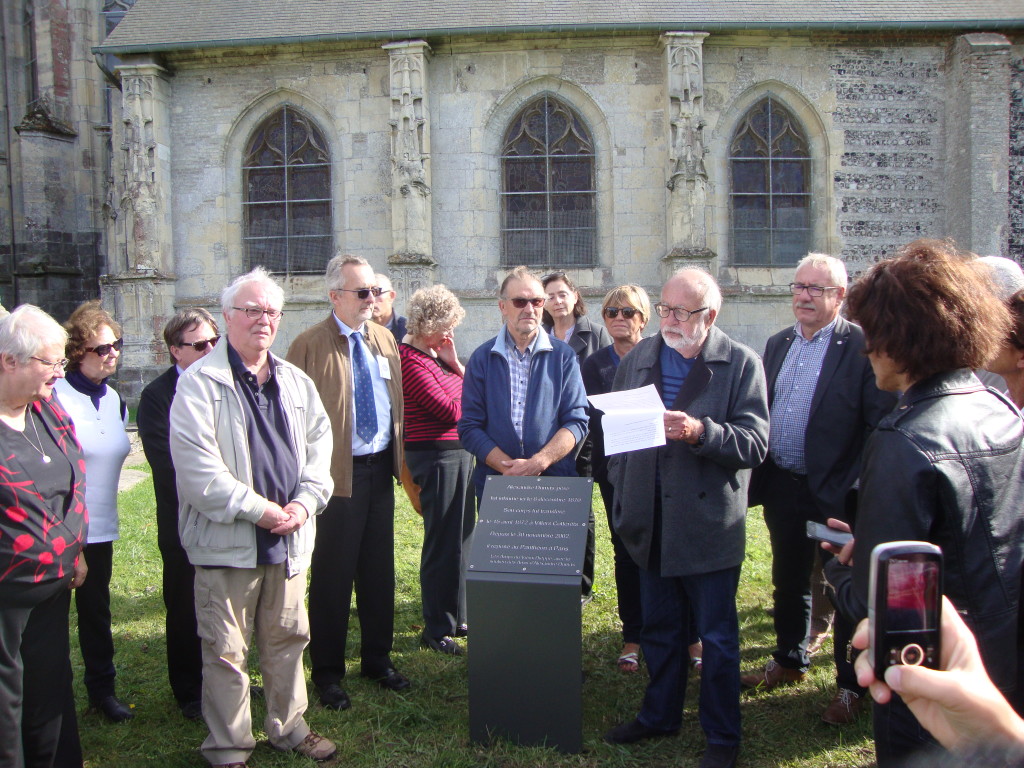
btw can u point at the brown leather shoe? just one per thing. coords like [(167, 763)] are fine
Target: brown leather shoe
[(771, 676), (844, 708)]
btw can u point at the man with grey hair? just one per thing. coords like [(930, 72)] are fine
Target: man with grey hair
[(256, 440), (824, 403), (383, 308), (680, 510), (356, 367), (190, 335)]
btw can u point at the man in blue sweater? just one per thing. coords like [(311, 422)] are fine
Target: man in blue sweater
[(523, 402)]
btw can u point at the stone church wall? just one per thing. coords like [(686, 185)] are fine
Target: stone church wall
[(876, 111)]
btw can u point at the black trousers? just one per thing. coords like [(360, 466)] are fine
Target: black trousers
[(449, 516), (35, 681), (184, 651), (792, 563), (355, 547), (92, 601)]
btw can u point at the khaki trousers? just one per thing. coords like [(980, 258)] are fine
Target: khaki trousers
[(230, 604)]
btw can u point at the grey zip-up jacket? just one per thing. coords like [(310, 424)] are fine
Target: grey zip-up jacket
[(218, 508)]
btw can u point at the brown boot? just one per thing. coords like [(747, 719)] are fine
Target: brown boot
[(771, 676), (844, 708)]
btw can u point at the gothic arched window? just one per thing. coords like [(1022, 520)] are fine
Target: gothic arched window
[(286, 178), (548, 195), (770, 200), (31, 65)]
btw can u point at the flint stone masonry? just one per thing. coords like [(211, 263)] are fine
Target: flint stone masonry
[(892, 101), (1015, 245), (879, 138)]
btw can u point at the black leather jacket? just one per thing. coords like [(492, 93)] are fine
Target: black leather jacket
[(945, 466)]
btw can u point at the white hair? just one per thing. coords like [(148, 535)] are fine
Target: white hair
[(258, 275), (1006, 274), (705, 286), (834, 267), (28, 329)]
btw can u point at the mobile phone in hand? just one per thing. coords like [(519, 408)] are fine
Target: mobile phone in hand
[(820, 532), (905, 605)]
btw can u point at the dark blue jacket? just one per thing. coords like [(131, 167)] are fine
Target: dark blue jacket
[(554, 399)]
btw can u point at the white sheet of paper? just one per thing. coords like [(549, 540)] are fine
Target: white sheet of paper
[(643, 398), (633, 419)]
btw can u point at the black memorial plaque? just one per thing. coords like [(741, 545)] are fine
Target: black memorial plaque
[(526, 685), (532, 525)]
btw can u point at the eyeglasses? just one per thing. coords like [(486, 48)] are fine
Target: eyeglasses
[(519, 303), (200, 346), (812, 290), (363, 293), (104, 349), (60, 365), (682, 315), (627, 312), (255, 313)]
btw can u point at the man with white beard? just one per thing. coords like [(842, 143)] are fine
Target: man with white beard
[(680, 510)]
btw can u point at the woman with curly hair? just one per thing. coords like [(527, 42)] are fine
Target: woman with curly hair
[(100, 417), (432, 385)]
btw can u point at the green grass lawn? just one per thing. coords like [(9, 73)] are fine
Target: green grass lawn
[(428, 726)]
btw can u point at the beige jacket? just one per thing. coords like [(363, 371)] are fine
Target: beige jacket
[(217, 507), (322, 352)]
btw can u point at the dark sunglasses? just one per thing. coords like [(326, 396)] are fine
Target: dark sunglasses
[(200, 346), (519, 303), (627, 312), (363, 293), (104, 349)]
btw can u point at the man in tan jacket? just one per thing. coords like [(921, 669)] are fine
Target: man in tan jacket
[(358, 374)]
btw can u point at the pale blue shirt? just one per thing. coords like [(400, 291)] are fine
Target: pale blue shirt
[(793, 394), (381, 398)]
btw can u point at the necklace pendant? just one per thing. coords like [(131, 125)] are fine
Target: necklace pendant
[(46, 459)]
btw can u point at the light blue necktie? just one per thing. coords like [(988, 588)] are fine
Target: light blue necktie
[(366, 411)]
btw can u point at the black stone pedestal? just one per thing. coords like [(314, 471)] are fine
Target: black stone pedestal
[(525, 663)]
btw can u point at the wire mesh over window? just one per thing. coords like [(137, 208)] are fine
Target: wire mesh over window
[(770, 201), (548, 211), (287, 207)]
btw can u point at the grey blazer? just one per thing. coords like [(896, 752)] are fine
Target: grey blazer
[(703, 488)]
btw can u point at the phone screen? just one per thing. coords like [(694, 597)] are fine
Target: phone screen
[(912, 595)]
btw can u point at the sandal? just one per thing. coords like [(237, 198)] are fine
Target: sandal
[(629, 662)]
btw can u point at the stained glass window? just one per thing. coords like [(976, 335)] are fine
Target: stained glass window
[(287, 206), (770, 201), (548, 210)]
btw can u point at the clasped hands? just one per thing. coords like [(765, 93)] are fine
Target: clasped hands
[(283, 520)]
